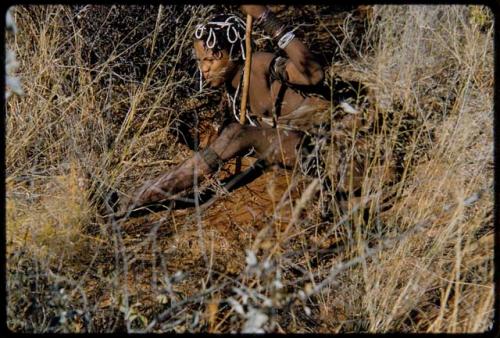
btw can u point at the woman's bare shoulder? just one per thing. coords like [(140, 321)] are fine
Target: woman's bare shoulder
[(261, 61)]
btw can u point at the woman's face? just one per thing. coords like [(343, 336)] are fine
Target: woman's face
[(216, 67)]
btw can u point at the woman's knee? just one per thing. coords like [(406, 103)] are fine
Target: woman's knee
[(284, 150)]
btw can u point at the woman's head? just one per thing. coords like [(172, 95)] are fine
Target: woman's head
[(219, 45)]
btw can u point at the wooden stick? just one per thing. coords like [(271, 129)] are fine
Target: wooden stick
[(246, 72), (246, 80)]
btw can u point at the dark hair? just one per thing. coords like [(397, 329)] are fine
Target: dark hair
[(223, 32)]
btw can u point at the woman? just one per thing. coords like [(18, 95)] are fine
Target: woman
[(283, 111)]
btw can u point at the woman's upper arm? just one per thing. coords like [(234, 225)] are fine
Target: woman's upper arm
[(302, 68)]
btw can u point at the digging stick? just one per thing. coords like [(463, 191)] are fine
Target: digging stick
[(246, 72), (246, 78)]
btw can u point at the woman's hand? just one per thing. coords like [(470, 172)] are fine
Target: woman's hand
[(124, 206), (254, 10), (136, 199)]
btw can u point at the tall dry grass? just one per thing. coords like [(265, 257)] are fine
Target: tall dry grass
[(433, 65), (413, 256)]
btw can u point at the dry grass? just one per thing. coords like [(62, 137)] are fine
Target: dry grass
[(90, 125)]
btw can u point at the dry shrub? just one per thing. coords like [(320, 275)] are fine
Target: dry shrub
[(431, 66), (54, 229)]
